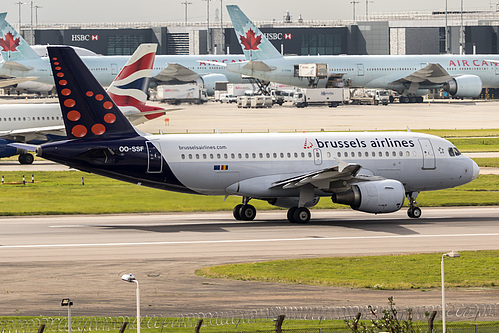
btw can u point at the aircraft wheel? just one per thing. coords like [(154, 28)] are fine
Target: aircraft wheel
[(247, 213), (301, 215), (413, 99), (26, 159), (236, 212), (414, 213), (291, 213)]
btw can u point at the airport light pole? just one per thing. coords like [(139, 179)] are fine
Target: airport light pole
[(130, 278), (353, 2), (450, 255), (208, 35), (446, 31), (186, 3)]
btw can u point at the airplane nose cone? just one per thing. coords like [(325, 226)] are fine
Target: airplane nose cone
[(476, 170)]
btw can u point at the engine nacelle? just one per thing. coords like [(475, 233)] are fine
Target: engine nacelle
[(284, 202), (209, 82), (35, 86), (381, 196), (464, 86)]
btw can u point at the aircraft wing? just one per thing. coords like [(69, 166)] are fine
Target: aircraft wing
[(34, 130), (431, 74), (9, 81), (322, 179), (178, 72)]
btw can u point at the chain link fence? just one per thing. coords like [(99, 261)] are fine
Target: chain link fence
[(461, 312)]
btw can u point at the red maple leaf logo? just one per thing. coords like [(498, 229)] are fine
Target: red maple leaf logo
[(250, 41), (9, 43)]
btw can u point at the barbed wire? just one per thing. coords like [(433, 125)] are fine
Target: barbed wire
[(454, 312)]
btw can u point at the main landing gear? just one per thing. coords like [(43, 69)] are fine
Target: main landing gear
[(413, 211), (299, 215), (26, 158), (244, 211)]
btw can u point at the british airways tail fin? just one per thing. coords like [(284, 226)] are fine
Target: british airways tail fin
[(87, 109), (132, 83), (253, 42), (13, 47)]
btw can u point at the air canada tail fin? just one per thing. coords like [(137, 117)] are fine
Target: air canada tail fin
[(87, 109), (13, 46), (253, 42)]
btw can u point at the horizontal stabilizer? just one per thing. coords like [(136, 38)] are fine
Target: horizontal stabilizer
[(258, 66), (15, 80), (23, 146)]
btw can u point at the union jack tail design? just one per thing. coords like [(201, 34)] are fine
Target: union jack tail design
[(130, 87)]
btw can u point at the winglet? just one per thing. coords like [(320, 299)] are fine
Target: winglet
[(13, 46), (253, 42), (87, 109)]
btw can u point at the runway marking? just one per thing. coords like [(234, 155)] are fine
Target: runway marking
[(241, 241)]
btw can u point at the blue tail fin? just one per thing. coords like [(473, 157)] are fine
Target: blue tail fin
[(13, 46), (253, 42), (87, 109)]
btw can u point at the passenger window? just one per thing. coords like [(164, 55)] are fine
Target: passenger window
[(226, 156), (211, 156), (268, 155), (296, 155), (407, 153), (282, 155), (380, 154), (359, 154), (328, 154), (204, 156), (309, 154), (190, 156), (339, 154), (218, 156), (197, 156), (394, 153), (303, 155), (182, 156), (401, 153), (387, 154), (246, 155), (232, 156), (373, 154), (289, 155), (366, 153), (253, 155), (239, 156), (260, 155), (274, 155), (345, 154)]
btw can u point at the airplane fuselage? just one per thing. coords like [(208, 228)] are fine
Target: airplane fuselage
[(105, 68), (379, 72), (248, 164)]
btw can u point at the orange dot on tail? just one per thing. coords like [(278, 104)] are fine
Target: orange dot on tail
[(108, 105), (60, 74), (79, 131), (58, 68), (56, 63), (54, 58), (90, 93), (69, 103), (109, 118), (74, 115), (65, 92), (63, 82), (99, 97), (98, 129)]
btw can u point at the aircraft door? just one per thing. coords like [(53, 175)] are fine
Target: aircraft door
[(154, 158), (428, 154), (360, 69), (114, 69), (317, 156)]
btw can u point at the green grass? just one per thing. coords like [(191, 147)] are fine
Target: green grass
[(492, 162), (476, 144), (415, 271), (466, 133), (61, 192)]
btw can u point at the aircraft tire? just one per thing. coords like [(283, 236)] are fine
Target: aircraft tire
[(291, 213), (416, 213), (26, 159), (247, 212), (301, 215), (236, 212)]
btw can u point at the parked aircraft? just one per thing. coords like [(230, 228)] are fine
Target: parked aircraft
[(37, 123), (409, 75), (370, 171), (20, 61)]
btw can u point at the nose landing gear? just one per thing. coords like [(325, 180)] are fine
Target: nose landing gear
[(413, 211)]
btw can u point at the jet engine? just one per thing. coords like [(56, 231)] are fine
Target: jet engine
[(381, 196), (291, 202), (209, 82), (34, 86), (464, 86)]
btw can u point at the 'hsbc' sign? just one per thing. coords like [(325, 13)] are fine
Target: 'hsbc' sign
[(84, 38), (277, 36)]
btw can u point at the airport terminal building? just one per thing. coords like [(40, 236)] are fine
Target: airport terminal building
[(381, 34)]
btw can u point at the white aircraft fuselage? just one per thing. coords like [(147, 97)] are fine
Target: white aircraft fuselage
[(379, 72), (105, 68)]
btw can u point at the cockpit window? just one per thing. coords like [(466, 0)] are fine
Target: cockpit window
[(453, 151)]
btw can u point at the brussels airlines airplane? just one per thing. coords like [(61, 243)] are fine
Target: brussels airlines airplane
[(410, 75), (23, 67), (371, 172), (37, 123)]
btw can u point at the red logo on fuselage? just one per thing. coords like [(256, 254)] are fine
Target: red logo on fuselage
[(475, 63)]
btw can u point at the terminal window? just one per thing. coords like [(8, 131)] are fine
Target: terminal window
[(123, 44)]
